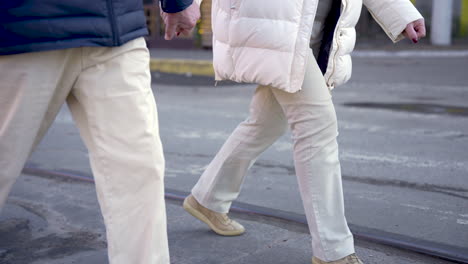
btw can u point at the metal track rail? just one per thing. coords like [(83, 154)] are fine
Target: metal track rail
[(420, 247)]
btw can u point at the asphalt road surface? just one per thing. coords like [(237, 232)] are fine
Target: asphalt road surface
[(403, 146)]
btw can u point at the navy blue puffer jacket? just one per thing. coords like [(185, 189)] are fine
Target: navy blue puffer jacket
[(39, 25)]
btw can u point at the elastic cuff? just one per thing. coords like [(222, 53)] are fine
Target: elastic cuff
[(171, 6)]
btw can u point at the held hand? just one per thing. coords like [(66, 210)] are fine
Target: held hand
[(415, 30), (181, 22)]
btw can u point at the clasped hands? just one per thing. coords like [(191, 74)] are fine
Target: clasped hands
[(181, 23)]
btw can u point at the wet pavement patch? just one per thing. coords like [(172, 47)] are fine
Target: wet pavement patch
[(18, 246), (414, 108)]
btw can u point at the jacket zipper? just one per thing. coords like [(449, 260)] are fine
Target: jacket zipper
[(337, 44), (110, 7)]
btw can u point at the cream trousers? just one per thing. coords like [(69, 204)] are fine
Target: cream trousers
[(311, 116), (108, 90)]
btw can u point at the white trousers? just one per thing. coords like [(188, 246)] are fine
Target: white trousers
[(311, 116), (108, 90)]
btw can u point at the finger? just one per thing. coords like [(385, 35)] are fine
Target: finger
[(192, 16), (421, 30), (169, 32), (170, 29), (186, 33), (191, 24), (184, 29), (412, 33), (179, 28)]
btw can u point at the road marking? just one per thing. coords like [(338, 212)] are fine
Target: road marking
[(192, 134), (283, 146), (213, 135), (419, 132), (410, 54), (424, 208), (178, 66), (280, 145), (217, 135), (192, 169), (401, 160)]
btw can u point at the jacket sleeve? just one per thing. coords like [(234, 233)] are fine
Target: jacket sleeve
[(174, 6), (393, 15)]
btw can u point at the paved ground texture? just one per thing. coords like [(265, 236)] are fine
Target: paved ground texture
[(53, 220), (403, 138)]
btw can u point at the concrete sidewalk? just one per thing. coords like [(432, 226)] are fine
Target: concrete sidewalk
[(56, 220)]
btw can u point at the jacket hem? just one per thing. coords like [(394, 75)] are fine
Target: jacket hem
[(67, 44)]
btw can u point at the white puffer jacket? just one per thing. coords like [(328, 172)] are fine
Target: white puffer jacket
[(266, 41)]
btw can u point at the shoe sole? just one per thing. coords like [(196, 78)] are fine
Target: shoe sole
[(195, 213)]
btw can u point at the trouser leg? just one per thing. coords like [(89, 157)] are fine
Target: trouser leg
[(312, 118), (33, 86), (221, 182), (114, 108)]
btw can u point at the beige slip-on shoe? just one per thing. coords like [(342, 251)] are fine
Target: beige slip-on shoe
[(218, 222), (351, 259)]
